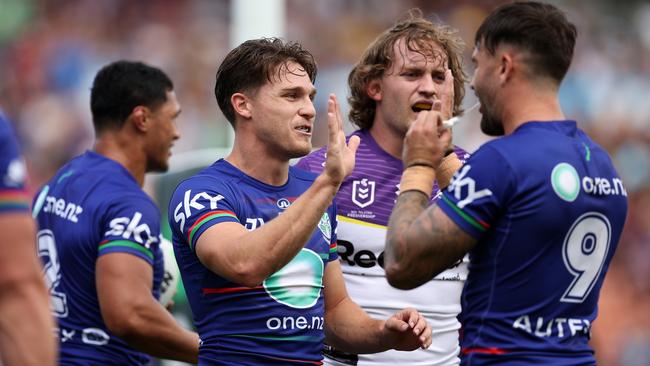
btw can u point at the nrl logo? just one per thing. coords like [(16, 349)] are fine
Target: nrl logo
[(363, 192)]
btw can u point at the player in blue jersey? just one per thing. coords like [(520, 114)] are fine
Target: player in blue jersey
[(25, 318), (255, 238), (400, 74), (540, 210), (99, 233)]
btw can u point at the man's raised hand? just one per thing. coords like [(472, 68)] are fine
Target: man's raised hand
[(340, 156)]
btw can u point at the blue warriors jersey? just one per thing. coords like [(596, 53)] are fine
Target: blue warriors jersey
[(279, 322), (92, 207), (12, 172), (547, 208)]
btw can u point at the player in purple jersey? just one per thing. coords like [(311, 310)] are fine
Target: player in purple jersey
[(540, 210), (25, 318), (99, 233), (256, 239), (401, 73)]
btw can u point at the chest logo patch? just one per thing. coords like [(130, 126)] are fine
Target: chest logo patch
[(363, 192), (283, 203), (565, 182), (325, 227), (299, 283)]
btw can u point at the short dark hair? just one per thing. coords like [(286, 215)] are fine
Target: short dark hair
[(253, 64), (538, 28), (121, 86)]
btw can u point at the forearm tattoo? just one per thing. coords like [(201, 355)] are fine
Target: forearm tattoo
[(408, 207)]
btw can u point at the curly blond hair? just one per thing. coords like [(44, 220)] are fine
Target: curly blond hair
[(418, 35)]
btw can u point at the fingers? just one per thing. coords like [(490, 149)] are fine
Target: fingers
[(426, 120), (407, 318), (409, 321), (420, 328), (395, 323), (338, 112), (353, 144), (332, 119), (423, 331), (334, 113), (426, 337), (413, 319), (447, 95), (432, 119)]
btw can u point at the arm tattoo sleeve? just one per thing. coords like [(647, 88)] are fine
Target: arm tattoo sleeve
[(421, 242)]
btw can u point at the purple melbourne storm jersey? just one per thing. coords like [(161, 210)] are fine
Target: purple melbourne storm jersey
[(13, 196), (364, 203), (279, 322), (547, 208), (92, 207)]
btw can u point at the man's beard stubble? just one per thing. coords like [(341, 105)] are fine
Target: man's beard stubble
[(491, 126)]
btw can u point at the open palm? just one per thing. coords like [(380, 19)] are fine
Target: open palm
[(340, 156)]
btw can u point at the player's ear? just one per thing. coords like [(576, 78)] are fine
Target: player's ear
[(506, 67), (241, 105), (374, 90), (140, 118)]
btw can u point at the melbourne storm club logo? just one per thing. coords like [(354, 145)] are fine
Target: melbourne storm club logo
[(363, 192)]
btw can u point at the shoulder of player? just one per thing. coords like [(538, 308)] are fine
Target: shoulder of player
[(209, 180), (498, 151), (313, 159), (129, 196), (302, 174), (211, 176)]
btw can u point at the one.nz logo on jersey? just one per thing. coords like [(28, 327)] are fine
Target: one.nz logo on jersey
[(298, 284)]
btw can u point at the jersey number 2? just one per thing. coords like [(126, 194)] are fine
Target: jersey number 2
[(584, 251), (52, 269)]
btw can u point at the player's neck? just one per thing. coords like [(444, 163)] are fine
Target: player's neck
[(124, 152), (531, 105), (259, 164), (389, 140)]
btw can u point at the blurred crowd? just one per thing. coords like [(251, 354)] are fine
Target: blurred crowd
[(50, 51)]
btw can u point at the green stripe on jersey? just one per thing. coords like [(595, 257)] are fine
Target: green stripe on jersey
[(465, 216), (211, 217), (128, 244)]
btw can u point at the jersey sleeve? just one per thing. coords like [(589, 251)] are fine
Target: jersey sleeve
[(131, 225), (13, 196), (196, 206), (479, 191), (333, 253)]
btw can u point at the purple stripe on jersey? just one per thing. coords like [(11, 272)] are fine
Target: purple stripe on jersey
[(369, 193)]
